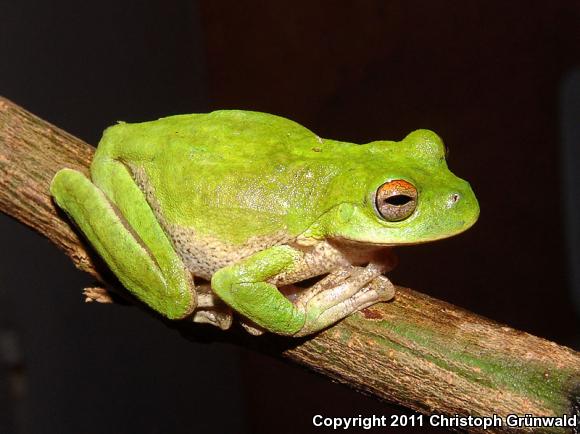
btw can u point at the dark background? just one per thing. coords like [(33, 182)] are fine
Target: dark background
[(491, 77)]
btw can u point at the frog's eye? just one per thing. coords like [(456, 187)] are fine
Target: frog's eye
[(396, 200)]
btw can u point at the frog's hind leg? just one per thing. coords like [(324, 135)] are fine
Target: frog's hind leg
[(115, 217)]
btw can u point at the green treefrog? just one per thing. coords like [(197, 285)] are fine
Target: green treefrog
[(251, 204)]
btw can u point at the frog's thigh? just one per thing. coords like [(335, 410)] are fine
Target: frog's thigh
[(128, 237), (243, 286)]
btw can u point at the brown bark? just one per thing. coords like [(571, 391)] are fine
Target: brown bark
[(416, 351)]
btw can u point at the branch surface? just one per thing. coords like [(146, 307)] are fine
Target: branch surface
[(415, 351)]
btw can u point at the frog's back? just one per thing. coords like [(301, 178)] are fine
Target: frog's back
[(219, 135)]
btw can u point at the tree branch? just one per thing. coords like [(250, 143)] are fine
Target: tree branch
[(416, 351)]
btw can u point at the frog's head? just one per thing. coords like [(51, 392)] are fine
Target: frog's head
[(410, 197)]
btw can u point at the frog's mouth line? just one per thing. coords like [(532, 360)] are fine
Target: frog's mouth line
[(368, 243)]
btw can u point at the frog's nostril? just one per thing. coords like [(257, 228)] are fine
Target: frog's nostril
[(455, 197)]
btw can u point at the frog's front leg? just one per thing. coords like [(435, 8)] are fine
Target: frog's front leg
[(244, 286), (119, 223)]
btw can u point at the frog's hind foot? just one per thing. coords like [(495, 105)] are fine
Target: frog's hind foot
[(215, 317), (210, 309), (98, 294)]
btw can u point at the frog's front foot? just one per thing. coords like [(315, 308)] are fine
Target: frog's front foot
[(244, 286), (251, 327), (341, 293)]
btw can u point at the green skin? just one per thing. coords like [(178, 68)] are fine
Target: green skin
[(253, 202)]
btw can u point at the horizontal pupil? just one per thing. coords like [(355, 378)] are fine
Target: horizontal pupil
[(398, 200)]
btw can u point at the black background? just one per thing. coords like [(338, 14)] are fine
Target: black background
[(485, 75)]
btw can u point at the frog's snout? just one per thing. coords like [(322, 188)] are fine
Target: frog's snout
[(461, 196), (463, 204), (453, 199)]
